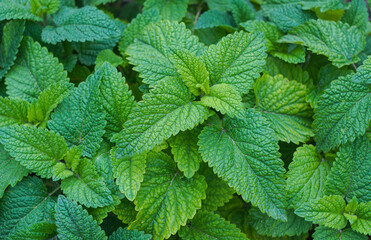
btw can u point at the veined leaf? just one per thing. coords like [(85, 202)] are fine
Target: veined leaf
[(125, 234), (109, 56), (40, 7), (166, 199), (170, 10), (363, 222), (38, 149), (350, 175), (244, 152), (35, 69), (80, 25), (236, 60), (327, 211), (214, 18), (325, 233), (125, 211), (242, 10), (208, 225), (356, 15), (336, 40), (74, 222), (163, 112), (16, 9), (13, 111)]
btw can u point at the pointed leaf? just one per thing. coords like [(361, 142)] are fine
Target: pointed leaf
[(171, 10), (363, 222), (356, 15), (13, 111), (16, 9), (325, 233), (125, 234)]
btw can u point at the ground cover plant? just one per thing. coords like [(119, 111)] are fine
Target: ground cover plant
[(185, 119)]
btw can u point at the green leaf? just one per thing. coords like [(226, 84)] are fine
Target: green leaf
[(116, 98), (215, 18), (86, 186), (24, 206), (264, 225), (207, 225), (307, 176), (336, 40), (350, 175), (192, 71), (224, 98), (343, 113), (327, 211), (80, 118), (128, 172), (11, 171), (148, 126), (10, 42), (74, 222), (325, 233), (39, 111), (185, 150), (166, 199), (324, 5), (16, 9), (13, 111), (125, 211), (242, 10), (80, 25), (37, 149), (236, 60), (356, 15), (170, 10), (108, 55), (34, 70), (284, 104), (158, 41), (244, 152), (40, 7), (363, 222), (125, 234)]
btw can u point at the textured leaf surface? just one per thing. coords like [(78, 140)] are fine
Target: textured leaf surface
[(116, 98), (214, 18), (39, 150), (337, 41), (356, 15), (224, 98), (327, 211), (242, 10), (10, 42), (150, 54), (34, 70), (11, 171), (350, 175), (13, 111), (343, 113), (39, 7), (80, 118), (306, 177), (165, 111), (73, 222), (207, 225), (15, 9), (166, 198), (80, 25), (237, 60), (363, 222), (244, 152), (283, 103), (23, 206), (125, 211), (325, 233), (185, 150), (171, 10), (125, 234), (86, 186)]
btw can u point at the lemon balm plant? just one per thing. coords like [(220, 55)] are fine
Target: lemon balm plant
[(185, 119)]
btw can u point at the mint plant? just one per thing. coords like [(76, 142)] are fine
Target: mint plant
[(196, 119)]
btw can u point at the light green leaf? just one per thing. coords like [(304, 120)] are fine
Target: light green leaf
[(10, 41), (215, 18), (13, 111), (350, 175), (80, 118), (80, 25), (158, 41), (171, 10), (166, 199), (125, 211), (38, 149), (327, 211), (40, 7), (208, 225), (324, 5), (74, 222), (356, 15), (108, 55), (325, 233), (128, 172), (192, 71), (224, 98), (336, 40), (34, 70), (307, 176), (363, 222), (86, 186), (24, 206), (236, 60), (284, 104), (343, 113), (125, 234), (16, 9), (163, 112), (11, 171), (116, 98), (185, 150), (244, 152)]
